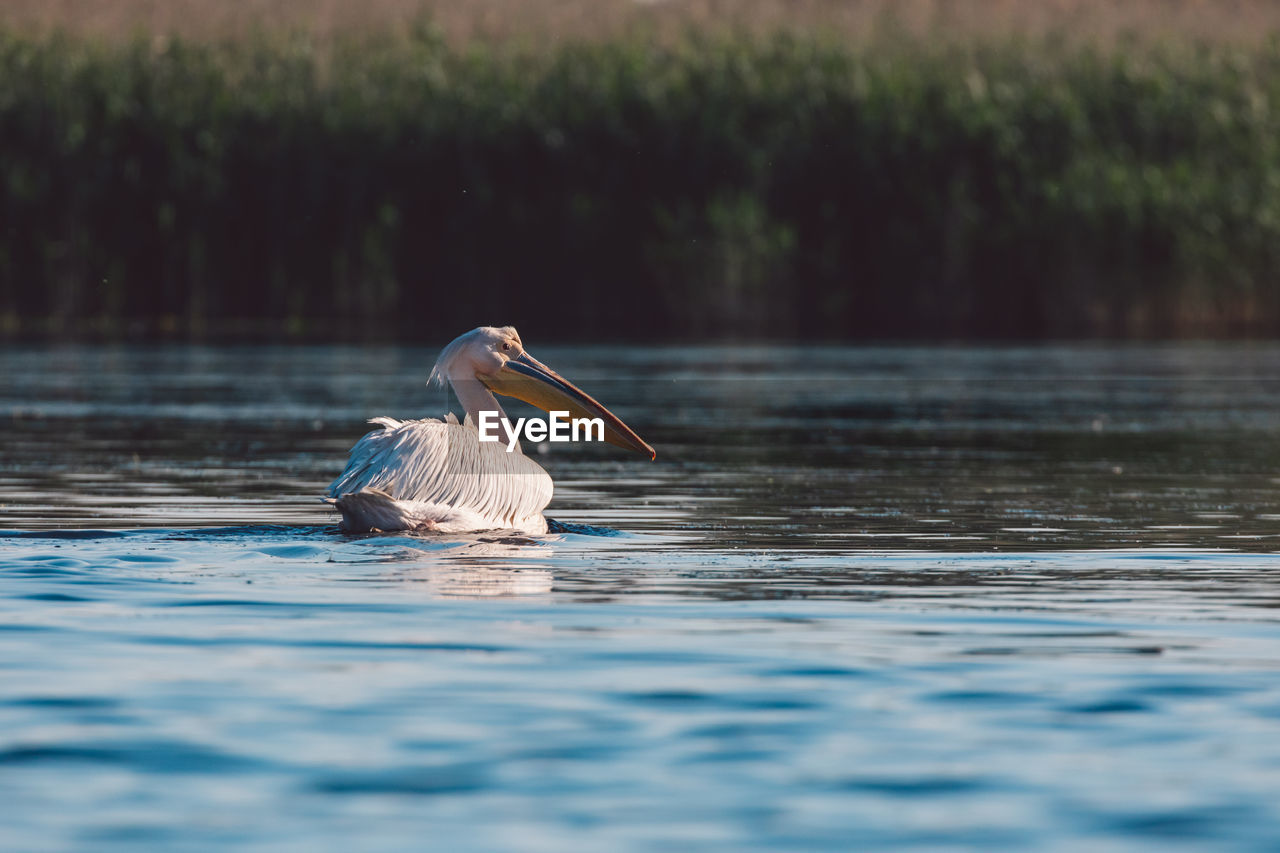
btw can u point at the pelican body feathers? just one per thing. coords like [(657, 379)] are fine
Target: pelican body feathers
[(437, 475)]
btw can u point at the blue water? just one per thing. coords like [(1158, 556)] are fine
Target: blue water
[(880, 598)]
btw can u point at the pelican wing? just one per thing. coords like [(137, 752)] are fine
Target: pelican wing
[(443, 463)]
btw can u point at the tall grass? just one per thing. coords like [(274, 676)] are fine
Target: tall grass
[(784, 185)]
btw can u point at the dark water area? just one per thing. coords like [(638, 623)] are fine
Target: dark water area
[(914, 598)]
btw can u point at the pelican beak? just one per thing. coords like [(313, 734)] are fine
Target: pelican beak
[(528, 379)]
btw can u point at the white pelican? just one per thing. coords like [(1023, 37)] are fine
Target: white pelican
[(437, 474)]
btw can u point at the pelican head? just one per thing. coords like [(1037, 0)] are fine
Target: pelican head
[(495, 358)]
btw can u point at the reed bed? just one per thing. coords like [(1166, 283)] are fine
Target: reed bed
[(712, 183)]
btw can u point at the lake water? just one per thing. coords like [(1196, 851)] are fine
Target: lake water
[(914, 598)]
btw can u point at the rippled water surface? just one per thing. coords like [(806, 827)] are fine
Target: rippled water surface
[(913, 598)]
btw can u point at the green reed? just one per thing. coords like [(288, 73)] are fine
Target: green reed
[(727, 186)]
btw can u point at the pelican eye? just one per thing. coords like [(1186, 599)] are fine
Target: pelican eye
[(506, 346)]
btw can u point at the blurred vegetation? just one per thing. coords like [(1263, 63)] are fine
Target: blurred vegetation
[(718, 185)]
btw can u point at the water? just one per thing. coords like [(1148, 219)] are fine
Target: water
[(865, 598)]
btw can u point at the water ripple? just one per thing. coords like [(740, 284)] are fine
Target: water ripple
[(1012, 598)]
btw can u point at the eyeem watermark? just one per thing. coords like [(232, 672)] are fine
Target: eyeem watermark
[(558, 428)]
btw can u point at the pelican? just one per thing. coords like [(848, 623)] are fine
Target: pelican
[(437, 475)]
